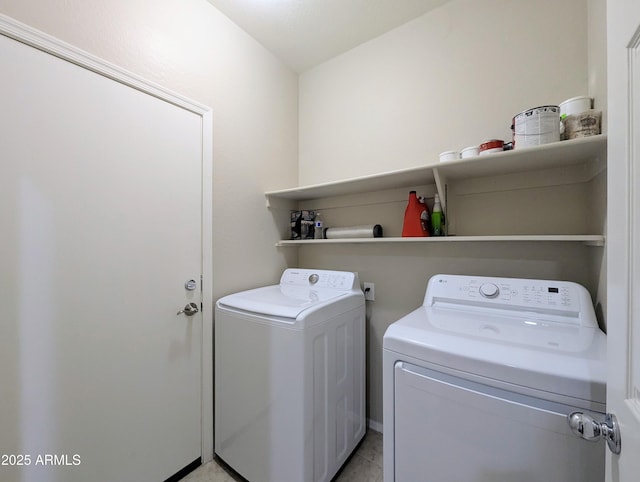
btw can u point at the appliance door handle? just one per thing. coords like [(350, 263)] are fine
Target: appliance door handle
[(586, 427)]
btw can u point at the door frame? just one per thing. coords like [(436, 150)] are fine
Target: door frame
[(25, 34), (623, 234)]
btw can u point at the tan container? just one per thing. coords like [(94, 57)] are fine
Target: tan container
[(584, 124)]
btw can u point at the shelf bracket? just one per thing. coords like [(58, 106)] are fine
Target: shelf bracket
[(441, 186), (595, 244)]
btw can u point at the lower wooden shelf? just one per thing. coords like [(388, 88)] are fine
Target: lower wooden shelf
[(587, 239)]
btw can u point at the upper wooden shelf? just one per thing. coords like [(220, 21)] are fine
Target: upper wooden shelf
[(414, 176), (588, 151)]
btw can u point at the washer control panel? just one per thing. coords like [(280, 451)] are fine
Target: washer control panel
[(562, 298), (316, 278)]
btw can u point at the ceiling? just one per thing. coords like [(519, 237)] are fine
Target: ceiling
[(305, 33)]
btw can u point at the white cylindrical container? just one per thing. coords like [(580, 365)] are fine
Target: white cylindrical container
[(471, 151), (448, 156), (575, 105), (533, 127)]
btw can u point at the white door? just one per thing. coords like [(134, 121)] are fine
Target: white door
[(101, 217), (623, 234)]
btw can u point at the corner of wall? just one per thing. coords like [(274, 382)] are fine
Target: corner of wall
[(597, 56)]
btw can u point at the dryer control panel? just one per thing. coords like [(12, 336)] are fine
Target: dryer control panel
[(564, 299)]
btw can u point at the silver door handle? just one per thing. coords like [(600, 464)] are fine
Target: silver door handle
[(587, 428), (190, 309)]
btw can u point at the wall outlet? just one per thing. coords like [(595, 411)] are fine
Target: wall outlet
[(369, 292)]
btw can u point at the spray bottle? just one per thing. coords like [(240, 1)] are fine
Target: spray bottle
[(318, 227), (436, 217)]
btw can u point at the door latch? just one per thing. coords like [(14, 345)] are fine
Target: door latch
[(190, 309)]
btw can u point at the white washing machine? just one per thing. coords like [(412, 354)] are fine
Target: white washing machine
[(290, 376), (478, 383)]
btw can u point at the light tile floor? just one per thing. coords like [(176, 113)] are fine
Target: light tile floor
[(365, 465)]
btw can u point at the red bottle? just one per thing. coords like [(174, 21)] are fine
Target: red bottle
[(413, 223)]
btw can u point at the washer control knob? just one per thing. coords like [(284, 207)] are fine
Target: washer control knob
[(489, 290), (314, 278)]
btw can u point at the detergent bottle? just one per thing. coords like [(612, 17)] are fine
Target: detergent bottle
[(414, 217)]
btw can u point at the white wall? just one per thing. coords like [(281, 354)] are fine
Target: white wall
[(191, 48), (451, 78), (596, 20)]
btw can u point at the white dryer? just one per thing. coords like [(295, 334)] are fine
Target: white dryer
[(479, 381), (290, 376)]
